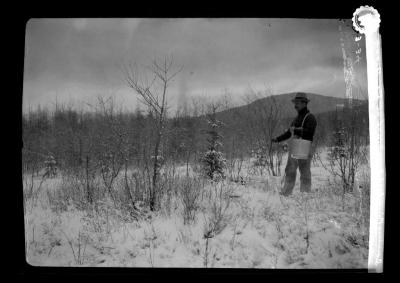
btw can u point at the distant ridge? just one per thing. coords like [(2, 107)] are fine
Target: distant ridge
[(318, 104)]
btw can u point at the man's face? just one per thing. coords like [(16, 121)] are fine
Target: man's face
[(298, 105)]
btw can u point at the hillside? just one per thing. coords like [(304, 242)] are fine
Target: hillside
[(318, 104), (323, 107)]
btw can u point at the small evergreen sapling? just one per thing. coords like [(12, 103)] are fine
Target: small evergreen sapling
[(213, 161)]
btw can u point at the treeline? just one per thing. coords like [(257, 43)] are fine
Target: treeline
[(75, 138), (81, 138), (78, 139)]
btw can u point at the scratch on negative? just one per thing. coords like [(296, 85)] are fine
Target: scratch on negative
[(380, 97)]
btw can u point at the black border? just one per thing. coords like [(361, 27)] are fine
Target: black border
[(16, 29)]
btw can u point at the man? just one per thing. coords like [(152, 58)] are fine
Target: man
[(306, 132)]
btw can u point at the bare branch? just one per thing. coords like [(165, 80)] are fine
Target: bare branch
[(174, 74)]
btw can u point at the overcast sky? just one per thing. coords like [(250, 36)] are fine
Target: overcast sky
[(75, 60)]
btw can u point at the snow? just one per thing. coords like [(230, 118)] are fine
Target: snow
[(264, 230)]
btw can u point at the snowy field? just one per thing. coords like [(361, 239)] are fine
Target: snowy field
[(236, 226)]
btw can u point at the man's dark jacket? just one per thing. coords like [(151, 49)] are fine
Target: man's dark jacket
[(308, 130)]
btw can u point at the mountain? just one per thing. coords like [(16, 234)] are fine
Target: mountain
[(247, 119), (325, 109), (318, 104)]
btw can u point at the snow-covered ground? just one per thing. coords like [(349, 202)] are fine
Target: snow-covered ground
[(259, 229)]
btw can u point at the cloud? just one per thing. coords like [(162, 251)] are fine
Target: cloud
[(215, 53)]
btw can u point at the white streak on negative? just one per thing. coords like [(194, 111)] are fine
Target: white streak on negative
[(366, 20)]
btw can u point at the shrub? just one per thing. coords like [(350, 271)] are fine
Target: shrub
[(190, 191)]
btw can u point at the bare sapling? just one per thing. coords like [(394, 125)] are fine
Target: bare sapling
[(150, 238), (113, 154), (128, 183), (264, 123), (218, 219), (235, 163), (162, 72), (32, 189), (347, 150), (79, 251), (303, 203), (190, 192)]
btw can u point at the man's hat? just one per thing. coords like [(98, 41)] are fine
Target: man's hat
[(301, 96)]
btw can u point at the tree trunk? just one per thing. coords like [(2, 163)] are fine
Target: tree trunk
[(157, 165), (187, 164), (88, 191), (156, 168)]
